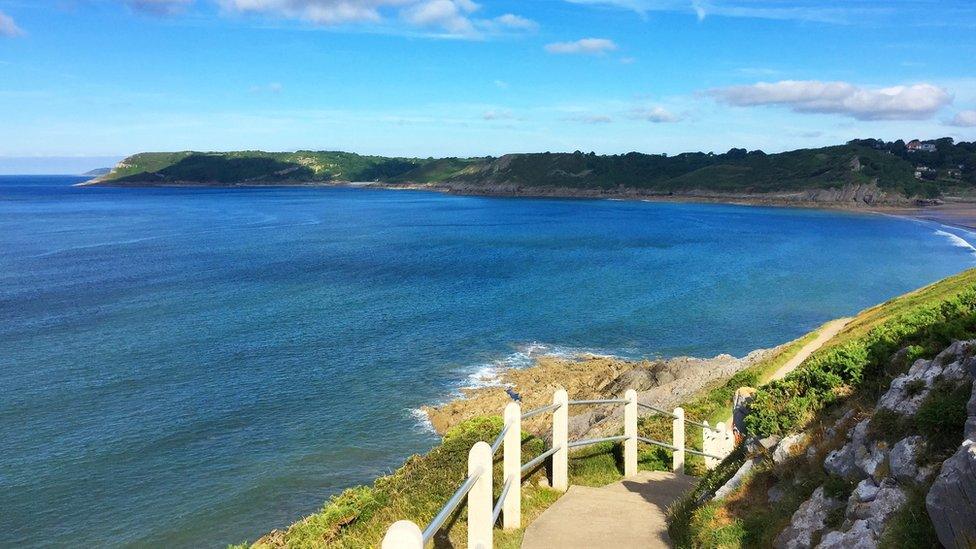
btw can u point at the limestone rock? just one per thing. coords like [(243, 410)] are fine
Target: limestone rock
[(787, 447), (807, 522), (889, 500), (904, 460), (866, 491), (737, 479), (951, 502), (859, 536)]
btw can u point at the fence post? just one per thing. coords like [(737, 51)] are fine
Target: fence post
[(403, 534), (560, 439), (512, 467), (678, 441), (726, 441), (708, 446), (480, 497), (630, 431)]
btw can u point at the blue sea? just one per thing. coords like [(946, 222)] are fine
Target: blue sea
[(194, 367)]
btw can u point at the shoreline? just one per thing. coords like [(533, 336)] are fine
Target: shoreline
[(955, 212)]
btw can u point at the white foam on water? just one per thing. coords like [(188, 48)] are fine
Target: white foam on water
[(957, 240), (525, 355), (423, 420)]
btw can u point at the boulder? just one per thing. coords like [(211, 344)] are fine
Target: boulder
[(904, 458), (788, 447), (737, 479), (807, 522), (889, 500), (951, 501), (866, 491), (859, 536)]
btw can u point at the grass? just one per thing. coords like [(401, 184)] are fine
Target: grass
[(848, 373)]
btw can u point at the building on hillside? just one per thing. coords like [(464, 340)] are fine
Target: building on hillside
[(925, 172), (917, 146)]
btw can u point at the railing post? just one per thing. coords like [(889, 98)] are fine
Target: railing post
[(708, 446), (560, 439), (480, 498), (403, 534), (512, 467), (678, 441), (726, 441), (630, 431)]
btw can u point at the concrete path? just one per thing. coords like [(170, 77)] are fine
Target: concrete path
[(625, 515), (831, 329)]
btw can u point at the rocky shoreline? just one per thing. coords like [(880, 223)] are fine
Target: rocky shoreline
[(662, 383)]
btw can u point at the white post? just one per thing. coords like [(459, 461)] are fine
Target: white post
[(678, 441), (480, 498), (512, 467), (403, 534), (726, 441), (630, 431), (560, 439), (709, 446)]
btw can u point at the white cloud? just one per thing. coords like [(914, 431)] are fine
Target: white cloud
[(8, 27), (915, 102), (585, 45), (512, 21), (159, 7), (800, 10), (964, 119), (499, 114), (450, 15), (501, 84), (657, 115), (591, 119), (274, 88)]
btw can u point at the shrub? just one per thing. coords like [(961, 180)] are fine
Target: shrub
[(889, 426), (941, 417)]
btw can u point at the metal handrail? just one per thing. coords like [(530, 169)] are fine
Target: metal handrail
[(450, 506), (660, 411), (542, 410), (501, 501), (603, 401), (538, 459), (657, 443), (584, 442), (670, 447), (498, 441)]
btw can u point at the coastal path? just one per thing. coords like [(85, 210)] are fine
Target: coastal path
[(626, 514), (828, 332), (629, 514)]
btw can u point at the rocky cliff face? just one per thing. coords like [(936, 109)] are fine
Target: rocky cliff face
[(877, 460)]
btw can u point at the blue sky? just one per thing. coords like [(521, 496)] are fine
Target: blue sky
[(85, 82)]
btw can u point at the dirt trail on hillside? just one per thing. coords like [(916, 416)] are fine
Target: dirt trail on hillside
[(831, 329)]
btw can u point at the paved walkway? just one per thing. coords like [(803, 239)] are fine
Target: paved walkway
[(625, 515)]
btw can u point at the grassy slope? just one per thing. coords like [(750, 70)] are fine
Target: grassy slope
[(847, 373), (733, 172), (359, 517)]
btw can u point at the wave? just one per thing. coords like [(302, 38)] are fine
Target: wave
[(957, 240), (423, 421)]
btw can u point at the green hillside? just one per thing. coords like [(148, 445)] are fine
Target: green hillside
[(948, 170)]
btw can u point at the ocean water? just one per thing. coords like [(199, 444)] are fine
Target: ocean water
[(194, 367)]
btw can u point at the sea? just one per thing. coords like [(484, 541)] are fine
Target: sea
[(193, 367)]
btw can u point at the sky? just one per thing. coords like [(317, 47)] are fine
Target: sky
[(84, 83)]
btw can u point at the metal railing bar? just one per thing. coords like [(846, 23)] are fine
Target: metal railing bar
[(657, 443), (658, 410), (702, 454), (499, 440), (600, 401), (538, 459), (501, 501), (450, 506), (584, 442), (538, 411)]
